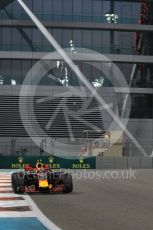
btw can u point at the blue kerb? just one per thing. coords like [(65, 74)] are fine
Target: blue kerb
[(19, 223)]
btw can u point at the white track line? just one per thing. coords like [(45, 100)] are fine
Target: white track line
[(41, 217), (8, 179), (17, 214), (9, 195), (5, 178), (15, 203), (5, 184), (5, 174), (5, 189)]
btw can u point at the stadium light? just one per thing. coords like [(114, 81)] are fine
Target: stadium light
[(1, 80), (111, 17), (13, 82), (71, 43)]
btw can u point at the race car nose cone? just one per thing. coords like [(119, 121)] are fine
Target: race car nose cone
[(43, 183)]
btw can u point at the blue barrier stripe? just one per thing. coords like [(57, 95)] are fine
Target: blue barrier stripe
[(18, 223)]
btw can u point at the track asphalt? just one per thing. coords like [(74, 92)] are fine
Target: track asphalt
[(103, 204)]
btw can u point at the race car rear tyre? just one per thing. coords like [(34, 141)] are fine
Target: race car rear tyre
[(18, 182), (67, 182)]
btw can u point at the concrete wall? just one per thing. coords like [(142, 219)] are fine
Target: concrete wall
[(124, 162), (141, 129)]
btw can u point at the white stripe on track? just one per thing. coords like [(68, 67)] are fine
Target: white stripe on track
[(8, 179), (9, 195), (5, 178), (41, 217), (5, 184), (6, 189), (17, 214), (5, 174), (15, 203)]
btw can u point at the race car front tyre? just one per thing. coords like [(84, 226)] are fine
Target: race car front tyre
[(18, 182), (67, 182)]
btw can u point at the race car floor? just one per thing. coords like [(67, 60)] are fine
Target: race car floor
[(103, 204)]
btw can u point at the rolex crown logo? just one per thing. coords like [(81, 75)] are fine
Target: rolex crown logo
[(20, 159), (50, 159), (81, 160)]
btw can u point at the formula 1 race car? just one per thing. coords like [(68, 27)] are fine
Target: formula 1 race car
[(41, 179)]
